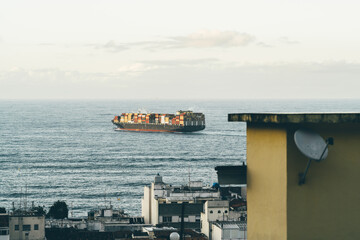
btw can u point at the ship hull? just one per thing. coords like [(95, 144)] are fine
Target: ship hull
[(151, 127)]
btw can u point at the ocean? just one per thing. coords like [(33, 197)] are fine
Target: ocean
[(68, 149)]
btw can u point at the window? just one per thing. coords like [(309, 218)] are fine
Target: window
[(166, 219), (26, 227), (16, 227), (211, 211), (4, 232), (225, 211), (36, 226), (219, 211)]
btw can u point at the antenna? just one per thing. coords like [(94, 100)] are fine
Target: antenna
[(25, 201), (105, 197), (72, 210), (20, 197), (313, 146), (189, 174)]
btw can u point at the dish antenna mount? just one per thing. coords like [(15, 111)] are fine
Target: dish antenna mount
[(313, 146)]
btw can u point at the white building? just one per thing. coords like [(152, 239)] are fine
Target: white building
[(162, 203), (101, 220), (219, 212), (29, 227), (213, 211), (4, 233), (229, 231)]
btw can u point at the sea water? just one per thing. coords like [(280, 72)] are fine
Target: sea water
[(69, 150)]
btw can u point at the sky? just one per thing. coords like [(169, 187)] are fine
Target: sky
[(165, 49)]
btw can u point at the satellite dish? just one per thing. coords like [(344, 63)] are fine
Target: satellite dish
[(174, 236), (313, 146)]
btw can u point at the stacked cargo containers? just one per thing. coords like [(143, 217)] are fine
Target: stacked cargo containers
[(143, 118), (162, 119), (182, 119), (152, 118)]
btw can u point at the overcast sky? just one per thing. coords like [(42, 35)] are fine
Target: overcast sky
[(179, 49)]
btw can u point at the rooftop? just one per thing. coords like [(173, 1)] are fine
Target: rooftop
[(230, 224), (279, 118), (218, 203)]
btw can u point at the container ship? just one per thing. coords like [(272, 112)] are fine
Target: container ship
[(182, 121)]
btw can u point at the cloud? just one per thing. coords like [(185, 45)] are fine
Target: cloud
[(286, 40), (263, 44), (199, 39), (135, 69), (138, 68), (210, 39), (197, 79), (201, 62), (18, 83), (114, 47), (47, 44)]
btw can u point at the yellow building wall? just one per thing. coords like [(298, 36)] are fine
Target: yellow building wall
[(327, 206), (266, 183)]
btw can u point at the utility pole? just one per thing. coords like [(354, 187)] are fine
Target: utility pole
[(182, 221)]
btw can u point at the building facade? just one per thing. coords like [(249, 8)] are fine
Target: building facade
[(219, 213), (327, 205), (4, 226), (213, 211), (229, 231), (164, 204), (26, 227)]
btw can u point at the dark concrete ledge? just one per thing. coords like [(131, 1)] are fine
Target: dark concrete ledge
[(280, 118), (231, 174)]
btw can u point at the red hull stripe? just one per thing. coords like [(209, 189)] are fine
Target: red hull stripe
[(143, 130)]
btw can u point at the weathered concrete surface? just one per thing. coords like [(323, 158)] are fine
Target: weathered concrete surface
[(281, 118)]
